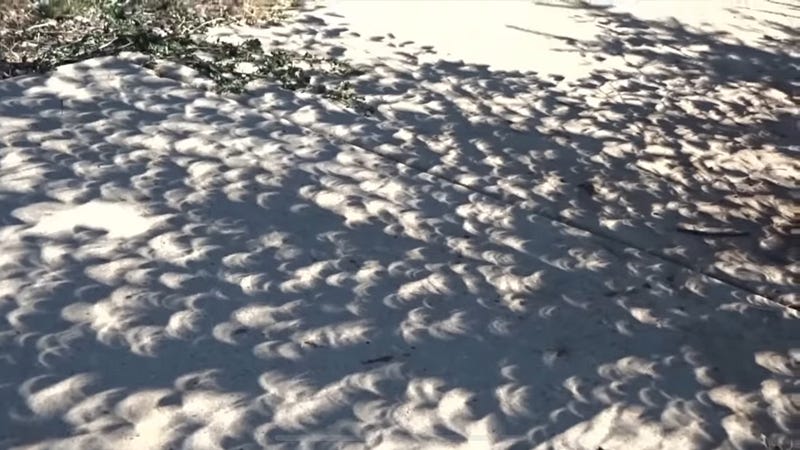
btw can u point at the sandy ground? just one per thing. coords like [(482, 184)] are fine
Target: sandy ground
[(509, 255), (677, 135)]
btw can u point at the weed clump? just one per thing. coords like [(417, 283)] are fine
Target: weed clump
[(39, 36)]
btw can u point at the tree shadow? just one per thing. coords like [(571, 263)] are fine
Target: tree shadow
[(239, 280), (684, 146)]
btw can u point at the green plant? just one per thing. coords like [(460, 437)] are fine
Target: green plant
[(167, 30)]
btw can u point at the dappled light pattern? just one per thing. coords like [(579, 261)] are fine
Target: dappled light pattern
[(680, 142), (181, 271)]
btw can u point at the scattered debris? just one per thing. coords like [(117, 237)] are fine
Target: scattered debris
[(381, 359), (164, 30)]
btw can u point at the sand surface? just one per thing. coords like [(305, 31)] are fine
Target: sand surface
[(673, 128), (561, 237)]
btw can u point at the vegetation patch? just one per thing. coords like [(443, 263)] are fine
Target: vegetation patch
[(39, 36)]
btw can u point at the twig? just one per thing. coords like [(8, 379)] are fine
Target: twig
[(711, 231), (40, 25), (204, 24)]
